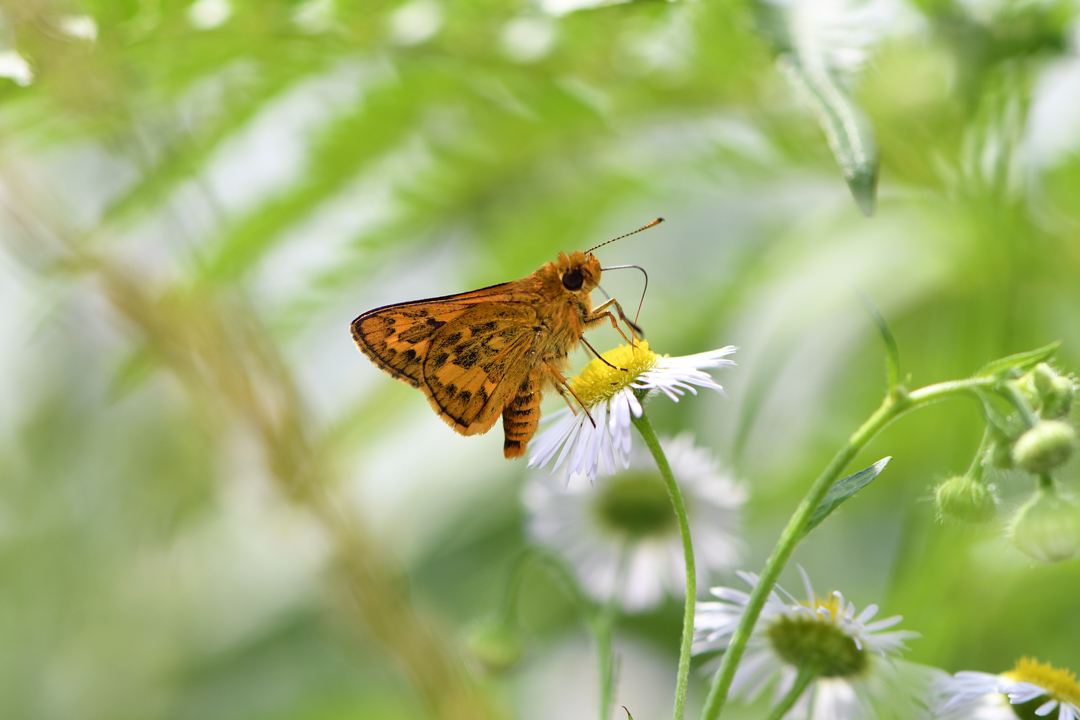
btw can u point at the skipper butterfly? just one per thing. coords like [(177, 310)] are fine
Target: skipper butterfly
[(494, 351)]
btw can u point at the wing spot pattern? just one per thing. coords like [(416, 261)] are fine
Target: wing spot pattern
[(468, 359)]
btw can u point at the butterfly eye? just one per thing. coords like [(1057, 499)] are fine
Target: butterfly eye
[(572, 280)]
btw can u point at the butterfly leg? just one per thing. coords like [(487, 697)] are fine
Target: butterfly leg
[(563, 387), (600, 357), (599, 314)]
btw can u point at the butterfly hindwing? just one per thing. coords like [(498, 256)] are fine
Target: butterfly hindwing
[(477, 362)]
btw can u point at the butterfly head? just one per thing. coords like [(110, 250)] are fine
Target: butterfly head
[(579, 272)]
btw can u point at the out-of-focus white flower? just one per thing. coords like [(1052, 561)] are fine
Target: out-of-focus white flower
[(82, 27), (14, 67), (837, 35), (621, 535), (528, 39), (984, 696), (209, 14), (606, 388), (562, 7), (415, 22), (854, 661), (314, 16)]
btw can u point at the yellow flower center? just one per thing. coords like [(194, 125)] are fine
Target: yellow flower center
[(831, 603), (599, 381), (1060, 684)]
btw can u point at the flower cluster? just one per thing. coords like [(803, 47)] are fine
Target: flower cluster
[(821, 657)]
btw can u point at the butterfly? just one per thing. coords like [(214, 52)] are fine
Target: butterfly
[(493, 352)]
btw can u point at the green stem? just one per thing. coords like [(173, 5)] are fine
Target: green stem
[(1013, 395), (802, 681), (602, 630), (683, 678), (896, 403), (976, 469), (603, 625)]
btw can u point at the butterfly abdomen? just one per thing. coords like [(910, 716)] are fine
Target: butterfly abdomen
[(520, 419)]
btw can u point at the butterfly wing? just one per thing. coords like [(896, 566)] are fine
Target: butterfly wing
[(467, 352), (397, 337), (479, 361)]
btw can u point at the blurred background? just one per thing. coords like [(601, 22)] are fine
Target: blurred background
[(212, 506)]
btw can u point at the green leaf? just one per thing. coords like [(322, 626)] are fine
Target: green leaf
[(847, 129), (843, 489), (892, 350), (628, 713), (1021, 361)]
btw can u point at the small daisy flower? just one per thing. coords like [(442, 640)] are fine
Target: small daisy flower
[(1030, 689), (609, 391), (621, 535), (856, 674)]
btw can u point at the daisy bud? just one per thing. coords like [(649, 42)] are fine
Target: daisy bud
[(1044, 447), (965, 499), (495, 645), (1047, 527), (1055, 391)]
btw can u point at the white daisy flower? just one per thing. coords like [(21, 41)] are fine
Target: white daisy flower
[(1030, 689), (621, 535), (607, 391), (854, 660)]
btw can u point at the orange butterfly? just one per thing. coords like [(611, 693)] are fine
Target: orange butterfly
[(493, 351)]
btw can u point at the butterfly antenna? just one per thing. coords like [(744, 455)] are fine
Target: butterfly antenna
[(643, 290), (655, 222)]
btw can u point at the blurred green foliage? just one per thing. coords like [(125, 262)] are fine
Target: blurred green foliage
[(212, 506)]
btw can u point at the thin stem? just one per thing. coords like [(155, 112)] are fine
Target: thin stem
[(1023, 407), (683, 677), (802, 681), (976, 469), (603, 625), (896, 403), (602, 630)]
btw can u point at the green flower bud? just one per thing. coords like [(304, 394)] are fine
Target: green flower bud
[(1056, 391), (1044, 447), (496, 646), (1047, 527), (1025, 385), (965, 499)]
